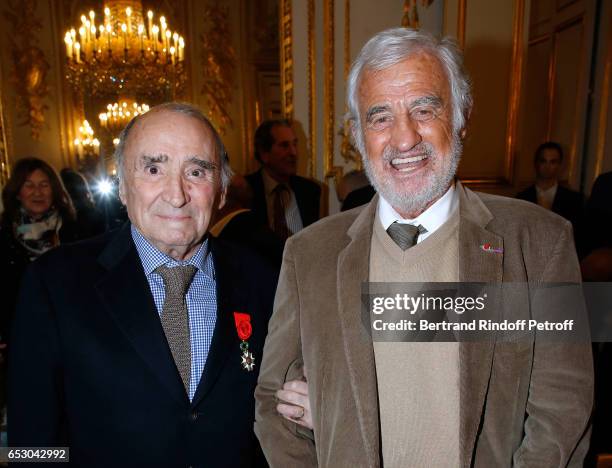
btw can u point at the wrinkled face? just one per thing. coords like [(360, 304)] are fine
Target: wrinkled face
[(36, 195), (412, 151), (281, 160), (548, 164), (172, 181)]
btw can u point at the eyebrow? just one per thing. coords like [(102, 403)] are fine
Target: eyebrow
[(148, 159), (372, 111), (204, 164), (162, 158), (434, 101)]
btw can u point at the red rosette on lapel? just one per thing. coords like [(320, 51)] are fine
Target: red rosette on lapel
[(244, 330), (243, 325)]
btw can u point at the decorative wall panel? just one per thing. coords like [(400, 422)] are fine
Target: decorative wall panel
[(29, 64), (567, 70), (557, 72), (493, 57), (218, 66)]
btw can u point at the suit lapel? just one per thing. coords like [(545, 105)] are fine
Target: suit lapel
[(224, 337), (125, 292), (533, 194), (559, 201), (353, 270), (259, 197), (303, 201), (477, 263)]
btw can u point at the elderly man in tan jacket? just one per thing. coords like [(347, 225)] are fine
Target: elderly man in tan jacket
[(401, 404)]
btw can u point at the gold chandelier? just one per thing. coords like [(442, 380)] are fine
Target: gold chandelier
[(124, 54), (118, 114), (86, 144)]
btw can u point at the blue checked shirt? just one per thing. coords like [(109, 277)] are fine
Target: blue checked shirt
[(201, 298)]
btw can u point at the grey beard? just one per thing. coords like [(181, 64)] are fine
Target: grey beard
[(438, 184)]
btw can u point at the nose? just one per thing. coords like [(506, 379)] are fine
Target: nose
[(293, 149), (405, 134), (175, 191)]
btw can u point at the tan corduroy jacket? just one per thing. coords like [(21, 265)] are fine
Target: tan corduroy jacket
[(526, 404)]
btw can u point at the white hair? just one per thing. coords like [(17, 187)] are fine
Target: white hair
[(392, 46)]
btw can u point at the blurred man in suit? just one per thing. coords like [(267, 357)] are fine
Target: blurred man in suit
[(282, 199), (546, 191), (354, 190), (141, 348), (236, 222), (399, 404)]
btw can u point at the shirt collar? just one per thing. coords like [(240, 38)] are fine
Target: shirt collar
[(152, 258), (431, 219), (269, 182), (551, 189)]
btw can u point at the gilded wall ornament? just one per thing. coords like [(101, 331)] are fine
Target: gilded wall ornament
[(328, 93), (4, 164), (219, 66), (347, 149), (30, 67), (286, 56), (410, 19)]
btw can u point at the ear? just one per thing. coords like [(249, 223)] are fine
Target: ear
[(122, 190), (352, 128), (463, 131), (222, 195)]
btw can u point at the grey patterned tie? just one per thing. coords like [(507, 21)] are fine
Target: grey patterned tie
[(405, 235), (175, 317)]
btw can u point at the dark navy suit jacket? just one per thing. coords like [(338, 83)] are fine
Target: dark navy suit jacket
[(567, 203), (90, 367)]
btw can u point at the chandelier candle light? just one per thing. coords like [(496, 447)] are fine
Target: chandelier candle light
[(118, 114), (122, 53), (86, 144)]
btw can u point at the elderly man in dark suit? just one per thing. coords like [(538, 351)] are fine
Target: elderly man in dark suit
[(399, 403), (142, 347), (283, 200)]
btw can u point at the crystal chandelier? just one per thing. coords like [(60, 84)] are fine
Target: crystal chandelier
[(118, 114), (124, 54)]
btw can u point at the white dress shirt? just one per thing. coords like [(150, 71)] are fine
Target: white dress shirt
[(546, 197), (431, 219), (292, 212)]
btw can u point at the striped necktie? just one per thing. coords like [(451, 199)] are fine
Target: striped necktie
[(405, 235)]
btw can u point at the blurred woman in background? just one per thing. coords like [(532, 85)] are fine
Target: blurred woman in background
[(38, 215)]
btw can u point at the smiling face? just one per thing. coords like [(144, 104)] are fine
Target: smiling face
[(36, 194), (412, 151), (172, 181)]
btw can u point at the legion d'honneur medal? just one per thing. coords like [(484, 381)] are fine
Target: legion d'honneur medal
[(244, 329)]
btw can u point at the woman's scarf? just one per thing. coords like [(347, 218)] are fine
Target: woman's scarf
[(38, 236)]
